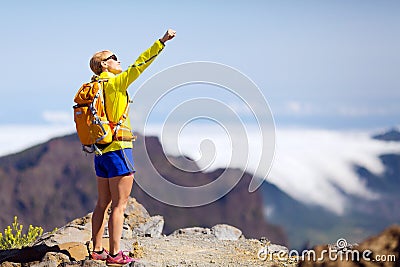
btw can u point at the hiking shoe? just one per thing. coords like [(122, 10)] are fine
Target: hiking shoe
[(100, 257), (119, 260)]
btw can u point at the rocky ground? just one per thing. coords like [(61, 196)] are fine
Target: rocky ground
[(221, 245), (195, 251), (170, 251)]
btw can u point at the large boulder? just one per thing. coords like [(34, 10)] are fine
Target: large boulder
[(219, 232), (152, 227), (226, 232), (52, 259), (78, 230), (193, 231), (137, 222), (141, 223)]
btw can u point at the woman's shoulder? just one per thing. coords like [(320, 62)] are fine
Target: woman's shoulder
[(106, 75)]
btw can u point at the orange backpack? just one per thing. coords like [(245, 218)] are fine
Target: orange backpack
[(91, 122)]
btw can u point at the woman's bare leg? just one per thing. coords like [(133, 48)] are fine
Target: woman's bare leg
[(99, 213), (120, 189)]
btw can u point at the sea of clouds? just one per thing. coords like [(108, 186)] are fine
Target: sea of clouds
[(312, 165)]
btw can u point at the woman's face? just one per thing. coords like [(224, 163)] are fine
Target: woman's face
[(112, 64)]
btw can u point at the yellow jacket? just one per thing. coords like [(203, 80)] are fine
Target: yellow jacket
[(115, 90)]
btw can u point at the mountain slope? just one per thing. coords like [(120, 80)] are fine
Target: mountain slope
[(42, 184), (52, 183)]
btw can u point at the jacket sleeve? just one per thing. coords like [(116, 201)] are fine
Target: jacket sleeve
[(125, 78)]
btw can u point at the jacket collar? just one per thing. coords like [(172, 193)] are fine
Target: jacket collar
[(106, 75)]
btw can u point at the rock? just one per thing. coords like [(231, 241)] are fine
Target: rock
[(226, 232), (273, 248), (140, 222), (10, 264), (78, 230), (126, 231), (28, 254), (135, 213), (386, 242), (92, 263), (192, 231), (137, 222), (140, 264), (219, 231), (152, 227), (77, 251), (52, 259)]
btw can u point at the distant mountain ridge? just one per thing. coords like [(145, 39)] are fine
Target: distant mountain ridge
[(391, 135)]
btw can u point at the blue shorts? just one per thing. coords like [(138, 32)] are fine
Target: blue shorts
[(114, 163)]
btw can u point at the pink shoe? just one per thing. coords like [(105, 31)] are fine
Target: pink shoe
[(119, 260), (100, 257)]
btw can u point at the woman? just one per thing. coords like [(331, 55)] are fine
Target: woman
[(114, 166)]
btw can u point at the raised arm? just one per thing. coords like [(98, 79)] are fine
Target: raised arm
[(125, 78)]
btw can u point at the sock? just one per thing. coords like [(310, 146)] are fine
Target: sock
[(114, 255), (99, 252)]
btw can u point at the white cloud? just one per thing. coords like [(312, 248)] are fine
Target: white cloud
[(312, 165), (15, 138), (59, 117), (352, 111), (299, 108), (334, 108)]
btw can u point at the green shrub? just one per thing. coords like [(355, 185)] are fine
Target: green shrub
[(13, 237)]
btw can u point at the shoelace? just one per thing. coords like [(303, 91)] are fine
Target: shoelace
[(124, 256), (124, 251)]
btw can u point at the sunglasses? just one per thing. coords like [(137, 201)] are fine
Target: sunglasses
[(113, 57)]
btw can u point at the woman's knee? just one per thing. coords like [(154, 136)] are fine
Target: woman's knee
[(119, 204), (103, 204), (120, 188)]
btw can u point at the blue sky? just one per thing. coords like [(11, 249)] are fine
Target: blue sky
[(328, 64)]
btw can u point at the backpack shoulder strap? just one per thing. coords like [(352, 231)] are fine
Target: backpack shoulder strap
[(124, 115)]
